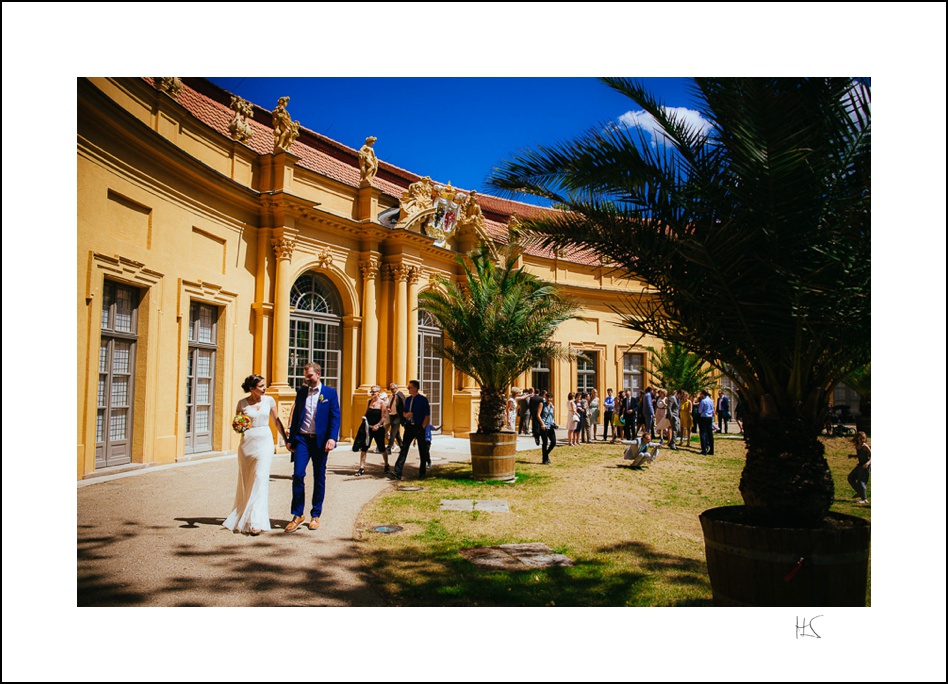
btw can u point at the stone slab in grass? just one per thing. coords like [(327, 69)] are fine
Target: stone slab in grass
[(516, 556), (457, 505), (492, 506)]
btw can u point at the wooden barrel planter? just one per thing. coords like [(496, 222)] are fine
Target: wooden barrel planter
[(751, 565), (494, 457)]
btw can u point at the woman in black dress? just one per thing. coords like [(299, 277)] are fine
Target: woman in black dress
[(372, 429)]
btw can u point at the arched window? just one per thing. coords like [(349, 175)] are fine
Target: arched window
[(430, 338), (315, 328)]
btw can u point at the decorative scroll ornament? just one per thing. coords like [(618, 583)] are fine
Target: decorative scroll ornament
[(417, 198), (243, 110), (441, 225), (170, 84)]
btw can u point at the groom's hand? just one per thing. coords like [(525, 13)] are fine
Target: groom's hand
[(330, 444)]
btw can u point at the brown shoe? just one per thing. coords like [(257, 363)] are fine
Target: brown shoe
[(313, 524), (294, 523)]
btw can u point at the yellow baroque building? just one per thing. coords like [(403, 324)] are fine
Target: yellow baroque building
[(217, 238)]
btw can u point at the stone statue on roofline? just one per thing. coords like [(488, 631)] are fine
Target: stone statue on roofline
[(368, 162), (285, 130), (470, 214), (169, 84)]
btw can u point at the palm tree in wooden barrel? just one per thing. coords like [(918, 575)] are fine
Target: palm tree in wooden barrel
[(753, 232), (498, 321)]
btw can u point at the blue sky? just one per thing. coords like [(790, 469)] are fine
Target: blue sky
[(452, 129)]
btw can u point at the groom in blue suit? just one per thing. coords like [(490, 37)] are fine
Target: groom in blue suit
[(313, 434)]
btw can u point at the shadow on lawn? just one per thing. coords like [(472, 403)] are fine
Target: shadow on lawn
[(440, 576)]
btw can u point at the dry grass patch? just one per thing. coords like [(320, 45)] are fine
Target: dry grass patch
[(633, 533)]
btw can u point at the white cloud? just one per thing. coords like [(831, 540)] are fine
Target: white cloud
[(645, 121)]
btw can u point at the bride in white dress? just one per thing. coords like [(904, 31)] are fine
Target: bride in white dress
[(251, 512)]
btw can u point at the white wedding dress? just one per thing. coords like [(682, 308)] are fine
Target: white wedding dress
[(254, 457)]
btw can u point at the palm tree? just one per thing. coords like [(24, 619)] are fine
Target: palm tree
[(499, 321), (674, 367), (753, 238)]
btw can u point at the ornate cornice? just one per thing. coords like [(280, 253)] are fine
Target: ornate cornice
[(120, 268)]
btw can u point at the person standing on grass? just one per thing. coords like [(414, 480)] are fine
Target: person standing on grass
[(609, 405), (593, 418), (859, 476), (572, 420), (647, 404), (583, 417), (630, 407), (687, 422), (674, 417), (706, 423)]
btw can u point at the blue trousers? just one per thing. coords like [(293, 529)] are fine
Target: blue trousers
[(308, 448)]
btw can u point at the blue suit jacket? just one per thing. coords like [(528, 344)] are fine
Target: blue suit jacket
[(648, 409), (328, 415)]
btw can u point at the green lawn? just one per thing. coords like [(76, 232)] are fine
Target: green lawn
[(634, 534)]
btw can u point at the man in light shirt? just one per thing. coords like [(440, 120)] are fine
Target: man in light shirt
[(705, 423)]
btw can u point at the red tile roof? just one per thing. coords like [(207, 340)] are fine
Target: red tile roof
[(210, 104)]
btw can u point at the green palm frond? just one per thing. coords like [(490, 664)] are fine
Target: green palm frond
[(676, 368), (499, 321), (752, 236)]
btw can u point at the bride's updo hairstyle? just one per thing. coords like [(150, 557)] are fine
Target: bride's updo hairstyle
[(251, 381)]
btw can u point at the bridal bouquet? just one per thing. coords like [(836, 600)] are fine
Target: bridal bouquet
[(241, 423)]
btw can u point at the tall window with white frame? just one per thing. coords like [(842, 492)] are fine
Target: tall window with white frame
[(117, 344), (315, 329), (586, 371), (430, 338), (202, 360), (632, 363)]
